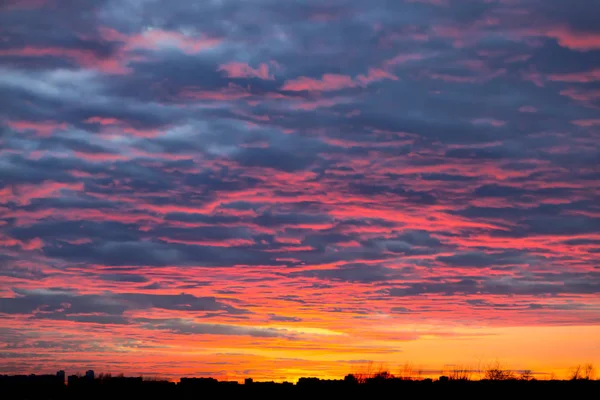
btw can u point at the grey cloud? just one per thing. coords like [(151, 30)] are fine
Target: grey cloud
[(481, 259), (109, 307), (132, 278), (188, 327), (360, 273), (280, 318), (274, 158), (279, 219), (582, 284), (33, 274), (60, 302)]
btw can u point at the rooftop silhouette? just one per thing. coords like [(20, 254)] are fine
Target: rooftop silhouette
[(106, 386)]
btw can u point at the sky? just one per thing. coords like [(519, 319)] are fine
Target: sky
[(277, 188)]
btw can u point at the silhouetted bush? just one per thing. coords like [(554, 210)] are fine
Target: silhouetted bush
[(495, 372)]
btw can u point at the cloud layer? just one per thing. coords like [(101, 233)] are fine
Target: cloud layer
[(271, 186)]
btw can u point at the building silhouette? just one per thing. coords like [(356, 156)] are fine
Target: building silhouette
[(105, 386), (60, 375)]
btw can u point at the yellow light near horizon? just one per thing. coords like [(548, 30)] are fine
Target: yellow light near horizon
[(539, 348)]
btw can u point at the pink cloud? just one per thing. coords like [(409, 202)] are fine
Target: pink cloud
[(519, 58), (77, 241), (255, 117), (231, 92), (33, 244), (575, 40), (403, 58), (43, 128), (329, 82), (581, 95), (116, 127), (586, 122), (488, 121), (323, 15), (84, 58), (237, 242), (457, 34), (375, 74), (533, 76), (577, 77), (100, 157), (333, 82), (243, 70), (308, 105), (454, 78), (102, 121), (117, 63), (158, 38), (528, 109), (24, 193)]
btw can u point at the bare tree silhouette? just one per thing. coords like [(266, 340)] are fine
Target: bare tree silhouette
[(460, 373), (526, 375), (495, 372), (582, 372)]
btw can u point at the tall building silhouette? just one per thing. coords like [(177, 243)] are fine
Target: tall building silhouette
[(60, 375)]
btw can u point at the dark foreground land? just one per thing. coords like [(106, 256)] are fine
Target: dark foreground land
[(34, 388)]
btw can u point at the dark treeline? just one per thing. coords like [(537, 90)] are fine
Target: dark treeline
[(35, 387)]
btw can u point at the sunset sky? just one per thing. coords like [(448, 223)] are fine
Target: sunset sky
[(277, 188)]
